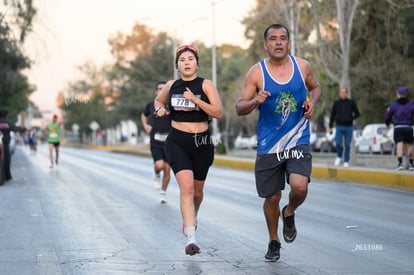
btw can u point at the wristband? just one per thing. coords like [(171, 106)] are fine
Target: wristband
[(158, 108)]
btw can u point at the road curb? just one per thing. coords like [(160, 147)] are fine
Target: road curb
[(400, 180)]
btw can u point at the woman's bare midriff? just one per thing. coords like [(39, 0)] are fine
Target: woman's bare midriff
[(190, 127)]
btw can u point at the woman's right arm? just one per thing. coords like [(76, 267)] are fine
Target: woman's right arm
[(162, 99)]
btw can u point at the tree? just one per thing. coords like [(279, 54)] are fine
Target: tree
[(136, 79), (16, 19), (345, 12), (234, 63), (382, 58), (128, 47), (88, 99), (369, 42)]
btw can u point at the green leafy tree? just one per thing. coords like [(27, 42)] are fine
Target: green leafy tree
[(16, 20), (366, 46), (234, 64), (382, 55), (139, 76), (88, 99)]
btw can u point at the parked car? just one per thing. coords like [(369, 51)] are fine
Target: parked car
[(357, 135), (328, 142), (242, 142), (375, 138), (253, 142), (2, 172), (316, 141), (389, 145)]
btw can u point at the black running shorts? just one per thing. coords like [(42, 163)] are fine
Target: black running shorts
[(55, 144), (403, 134), (272, 170), (187, 151), (158, 153)]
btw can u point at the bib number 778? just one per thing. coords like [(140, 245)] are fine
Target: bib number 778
[(178, 102)]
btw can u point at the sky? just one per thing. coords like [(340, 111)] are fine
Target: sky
[(69, 33)]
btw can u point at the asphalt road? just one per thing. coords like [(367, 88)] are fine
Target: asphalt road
[(98, 213)]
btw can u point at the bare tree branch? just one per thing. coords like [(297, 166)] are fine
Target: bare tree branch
[(319, 40)]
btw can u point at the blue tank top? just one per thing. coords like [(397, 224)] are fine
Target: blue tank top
[(282, 125)]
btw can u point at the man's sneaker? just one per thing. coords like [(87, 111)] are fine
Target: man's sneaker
[(337, 161), (400, 167), (346, 164), (273, 252), (289, 229), (192, 248), (163, 197), (411, 167), (157, 182)]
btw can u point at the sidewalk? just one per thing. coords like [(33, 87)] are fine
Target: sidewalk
[(367, 169)]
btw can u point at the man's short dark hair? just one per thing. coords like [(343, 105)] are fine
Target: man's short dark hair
[(160, 82), (275, 26)]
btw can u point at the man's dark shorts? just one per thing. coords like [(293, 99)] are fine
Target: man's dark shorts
[(272, 170), (55, 144), (403, 134), (158, 151)]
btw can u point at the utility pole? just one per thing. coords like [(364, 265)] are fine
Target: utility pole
[(214, 62)]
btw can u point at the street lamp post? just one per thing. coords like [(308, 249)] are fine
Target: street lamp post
[(213, 46), (174, 47), (214, 61)]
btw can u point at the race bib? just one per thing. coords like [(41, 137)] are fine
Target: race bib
[(179, 103), (160, 136), (53, 135)]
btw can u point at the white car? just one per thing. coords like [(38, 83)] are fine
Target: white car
[(242, 142), (245, 142), (328, 142), (2, 172), (373, 139)]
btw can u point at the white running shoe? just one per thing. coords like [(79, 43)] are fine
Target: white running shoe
[(163, 197), (157, 182), (346, 164), (337, 161)]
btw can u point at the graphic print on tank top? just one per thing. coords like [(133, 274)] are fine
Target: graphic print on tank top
[(285, 104)]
